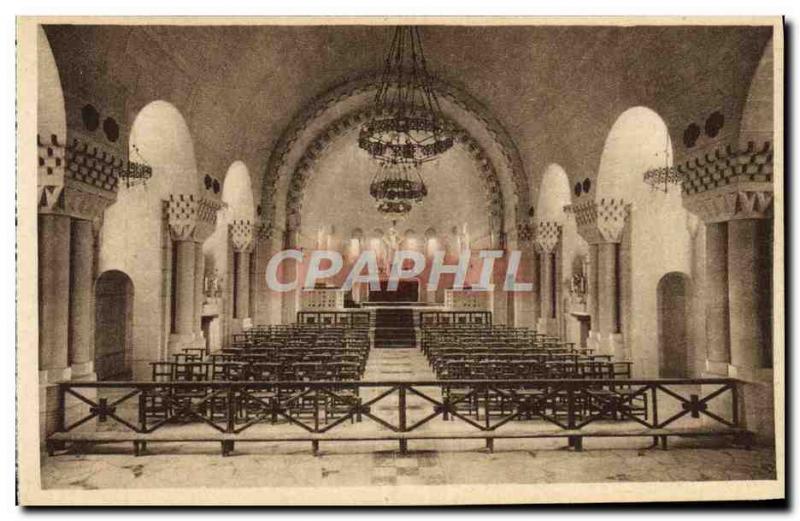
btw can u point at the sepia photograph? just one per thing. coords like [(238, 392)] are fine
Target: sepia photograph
[(399, 261)]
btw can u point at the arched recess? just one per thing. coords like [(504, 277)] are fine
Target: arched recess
[(674, 305), (757, 116), (557, 242), (651, 235), (234, 251), (113, 294), (51, 128), (135, 238), (51, 119), (344, 107)]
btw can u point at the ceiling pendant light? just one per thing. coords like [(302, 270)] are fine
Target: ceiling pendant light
[(396, 188), (407, 126)]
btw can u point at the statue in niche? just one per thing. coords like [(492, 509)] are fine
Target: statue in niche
[(578, 284), (212, 284), (391, 243)]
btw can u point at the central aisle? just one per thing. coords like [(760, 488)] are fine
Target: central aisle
[(397, 365)]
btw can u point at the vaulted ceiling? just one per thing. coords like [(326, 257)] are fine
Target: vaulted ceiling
[(557, 90)]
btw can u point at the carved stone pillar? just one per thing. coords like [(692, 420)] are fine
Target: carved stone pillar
[(242, 234), (199, 296), (548, 235), (54, 253), (732, 192), (718, 342), (738, 267), (75, 185), (601, 223), (262, 298), (191, 220), (81, 299)]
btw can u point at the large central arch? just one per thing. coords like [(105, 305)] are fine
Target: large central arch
[(346, 106)]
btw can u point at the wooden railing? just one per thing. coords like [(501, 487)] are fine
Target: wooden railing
[(227, 412), (334, 318), (455, 318)]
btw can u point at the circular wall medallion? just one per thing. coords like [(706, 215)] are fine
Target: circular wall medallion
[(587, 185), (111, 129), (216, 186), (208, 182), (90, 117), (578, 189), (714, 124), (691, 134)]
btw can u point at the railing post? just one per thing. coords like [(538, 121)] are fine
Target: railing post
[(61, 415), (143, 410), (486, 406), (316, 410), (576, 442), (401, 404), (735, 404), (230, 418)]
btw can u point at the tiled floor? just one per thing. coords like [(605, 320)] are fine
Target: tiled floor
[(379, 462)]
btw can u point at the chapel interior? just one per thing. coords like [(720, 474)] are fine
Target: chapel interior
[(631, 168)]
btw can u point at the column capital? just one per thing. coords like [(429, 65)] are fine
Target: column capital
[(731, 203), (242, 234), (76, 180), (729, 183), (601, 221), (191, 217), (263, 231), (548, 234)]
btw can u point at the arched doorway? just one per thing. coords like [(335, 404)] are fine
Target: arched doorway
[(673, 296), (113, 324)]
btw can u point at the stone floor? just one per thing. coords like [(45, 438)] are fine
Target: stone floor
[(379, 463)]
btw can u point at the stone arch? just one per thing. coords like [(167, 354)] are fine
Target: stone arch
[(644, 228), (638, 140), (113, 295), (300, 177), (135, 227), (51, 119), (161, 138), (673, 301), (757, 115), (323, 120), (554, 194), (51, 124), (237, 192), (557, 241)]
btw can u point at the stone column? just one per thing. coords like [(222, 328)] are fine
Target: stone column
[(716, 299), (546, 300), (81, 298), (191, 220), (548, 235), (54, 275), (607, 288), (537, 285), (184, 287), (199, 294), (733, 196), (242, 235), (601, 223), (71, 201), (749, 292), (591, 289), (243, 285)]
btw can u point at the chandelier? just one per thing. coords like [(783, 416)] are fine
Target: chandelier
[(659, 178), (396, 187), (407, 126)]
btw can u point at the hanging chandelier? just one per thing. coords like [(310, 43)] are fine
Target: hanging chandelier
[(396, 188), (407, 126), (659, 178)]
